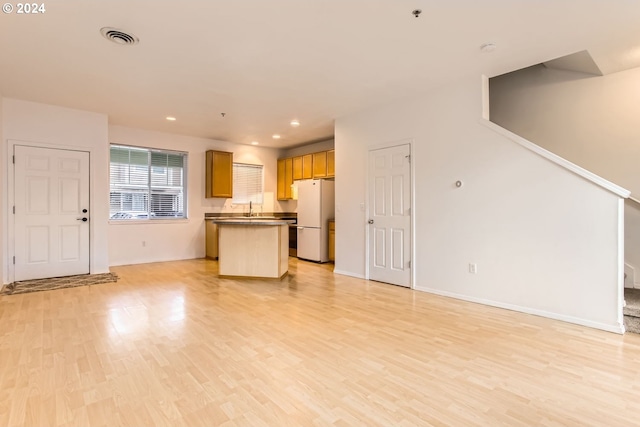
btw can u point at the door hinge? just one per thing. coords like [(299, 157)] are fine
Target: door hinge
[(13, 159), (409, 264), (408, 157), (14, 259), (14, 209)]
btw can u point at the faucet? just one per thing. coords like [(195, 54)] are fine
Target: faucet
[(250, 209)]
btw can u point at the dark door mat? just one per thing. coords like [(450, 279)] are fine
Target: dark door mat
[(37, 285)]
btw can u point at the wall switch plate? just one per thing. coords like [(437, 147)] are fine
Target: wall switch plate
[(473, 268)]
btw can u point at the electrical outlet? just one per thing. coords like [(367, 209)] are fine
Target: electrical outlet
[(473, 268)]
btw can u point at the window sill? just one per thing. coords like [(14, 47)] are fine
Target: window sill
[(147, 221)]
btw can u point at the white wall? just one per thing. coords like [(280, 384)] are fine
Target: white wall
[(545, 240), (183, 239), (58, 127), (3, 201), (590, 120)]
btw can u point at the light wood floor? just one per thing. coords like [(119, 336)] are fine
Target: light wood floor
[(170, 344)]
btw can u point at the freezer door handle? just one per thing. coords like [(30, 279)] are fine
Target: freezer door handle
[(300, 228)]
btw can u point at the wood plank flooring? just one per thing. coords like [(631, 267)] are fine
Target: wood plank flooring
[(170, 344)]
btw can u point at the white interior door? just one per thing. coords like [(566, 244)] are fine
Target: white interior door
[(390, 215), (51, 227)]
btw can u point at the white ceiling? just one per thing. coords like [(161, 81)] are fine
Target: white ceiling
[(265, 62)]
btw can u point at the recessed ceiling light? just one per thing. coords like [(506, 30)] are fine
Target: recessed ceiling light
[(171, 119), (488, 47), (255, 143), (295, 123), (276, 136)]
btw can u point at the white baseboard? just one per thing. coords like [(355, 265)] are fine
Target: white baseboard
[(348, 273), (618, 329), (150, 261)]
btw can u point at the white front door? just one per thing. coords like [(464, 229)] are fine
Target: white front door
[(390, 215), (51, 195)]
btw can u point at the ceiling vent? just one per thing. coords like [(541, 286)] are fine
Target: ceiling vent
[(118, 36)]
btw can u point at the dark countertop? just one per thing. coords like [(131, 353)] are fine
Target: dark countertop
[(279, 215), (250, 221)]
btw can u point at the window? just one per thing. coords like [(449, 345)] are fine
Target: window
[(247, 184), (147, 184)]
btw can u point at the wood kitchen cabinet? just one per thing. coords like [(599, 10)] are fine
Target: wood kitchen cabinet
[(285, 178), (320, 164), (219, 174), (211, 238), (297, 168), (280, 179), (331, 164), (307, 166), (332, 240)]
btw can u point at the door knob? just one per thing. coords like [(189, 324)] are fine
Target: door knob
[(370, 221), (85, 219)]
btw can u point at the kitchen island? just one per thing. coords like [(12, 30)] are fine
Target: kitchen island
[(253, 247)]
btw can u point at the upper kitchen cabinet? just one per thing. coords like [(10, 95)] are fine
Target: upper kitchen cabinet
[(219, 174), (307, 166), (320, 164), (324, 164), (297, 168), (331, 164), (285, 178)]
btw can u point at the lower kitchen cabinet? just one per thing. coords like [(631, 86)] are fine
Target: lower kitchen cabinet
[(211, 238), (332, 241)]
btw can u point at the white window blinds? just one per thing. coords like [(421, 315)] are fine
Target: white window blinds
[(247, 184), (146, 184)]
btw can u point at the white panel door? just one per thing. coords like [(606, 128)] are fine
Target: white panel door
[(390, 215), (51, 220)]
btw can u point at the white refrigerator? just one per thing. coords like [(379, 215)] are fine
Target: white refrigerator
[(315, 209)]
